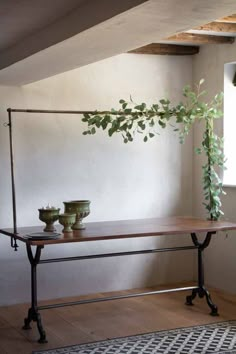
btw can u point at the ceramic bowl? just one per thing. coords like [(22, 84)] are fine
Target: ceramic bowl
[(67, 220), (49, 216), (79, 207)]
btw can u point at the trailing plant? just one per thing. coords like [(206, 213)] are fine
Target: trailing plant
[(132, 119), (212, 146)]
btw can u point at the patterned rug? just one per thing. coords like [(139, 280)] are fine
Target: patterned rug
[(211, 338)]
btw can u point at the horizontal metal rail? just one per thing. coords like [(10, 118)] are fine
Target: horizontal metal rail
[(53, 111), (103, 299), (56, 111), (65, 111), (117, 254)]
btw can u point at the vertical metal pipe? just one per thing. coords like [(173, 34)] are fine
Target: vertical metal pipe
[(200, 269), (12, 172), (34, 301)]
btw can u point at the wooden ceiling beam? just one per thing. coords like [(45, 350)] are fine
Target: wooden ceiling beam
[(166, 49), (218, 27), (200, 38), (228, 19)]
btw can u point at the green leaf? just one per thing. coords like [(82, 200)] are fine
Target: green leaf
[(198, 151), (124, 127), (162, 124), (111, 131), (140, 107), (98, 124), (155, 107), (151, 123), (104, 123), (143, 105), (130, 138), (141, 125)]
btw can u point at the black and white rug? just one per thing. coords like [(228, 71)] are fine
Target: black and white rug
[(211, 338)]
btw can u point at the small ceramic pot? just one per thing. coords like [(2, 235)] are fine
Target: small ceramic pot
[(79, 207), (49, 216), (67, 220)]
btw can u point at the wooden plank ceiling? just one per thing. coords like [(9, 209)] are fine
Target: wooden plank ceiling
[(220, 31)]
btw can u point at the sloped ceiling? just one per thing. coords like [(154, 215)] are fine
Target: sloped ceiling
[(20, 19), (42, 38)]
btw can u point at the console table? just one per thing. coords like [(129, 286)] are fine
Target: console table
[(114, 230)]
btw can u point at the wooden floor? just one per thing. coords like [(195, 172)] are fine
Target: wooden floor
[(98, 321)]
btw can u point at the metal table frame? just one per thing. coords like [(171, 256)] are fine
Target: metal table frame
[(34, 256)]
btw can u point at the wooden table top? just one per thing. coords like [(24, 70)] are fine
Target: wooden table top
[(108, 230)]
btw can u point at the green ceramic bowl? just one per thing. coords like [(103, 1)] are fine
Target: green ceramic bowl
[(79, 207), (67, 220), (49, 216)]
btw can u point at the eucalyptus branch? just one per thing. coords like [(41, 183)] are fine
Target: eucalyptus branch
[(132, 119)]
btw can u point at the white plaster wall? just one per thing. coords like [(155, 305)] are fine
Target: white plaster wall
[(220, 258), (55, 162), (229, 124)]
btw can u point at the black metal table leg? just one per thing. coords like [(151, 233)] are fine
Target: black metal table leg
[(33, 313), (201, 291)]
